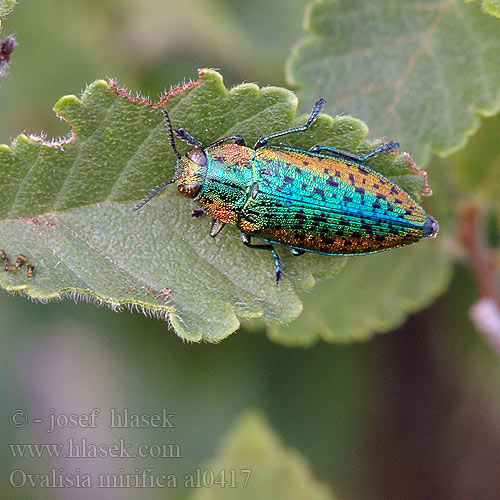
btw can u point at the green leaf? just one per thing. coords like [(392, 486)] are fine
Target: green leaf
[(67, 206), (5, 7), (374, 293), (490, 6), (276, 473), (416, 72)]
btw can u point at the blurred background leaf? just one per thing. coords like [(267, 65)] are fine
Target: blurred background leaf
[(490, 6), (407, 73), (5, 7), (272, 470)]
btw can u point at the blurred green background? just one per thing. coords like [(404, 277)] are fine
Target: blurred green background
[(410, 414)]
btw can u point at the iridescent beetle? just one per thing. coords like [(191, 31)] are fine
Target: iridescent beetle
[(323, 200)]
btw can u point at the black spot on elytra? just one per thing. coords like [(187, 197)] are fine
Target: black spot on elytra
[(298, 170), (408, 211), (379, 237), (351, 178), (397, 200), (376, 186), (319, 192), (394, 190), (319, 218), (326, 171), (304, 187), (337, 173), (288, 179), (331, 182), (301, 215), (347, 199), (367, 228), (380, 195), (376, 205), (249, 218), (356, 234), (360, 190), (363, 171)]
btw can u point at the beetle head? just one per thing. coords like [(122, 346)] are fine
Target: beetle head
[(190, 172)]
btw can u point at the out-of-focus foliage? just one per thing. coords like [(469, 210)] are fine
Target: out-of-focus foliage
[(490, 6), (5, 7), (409, 70), (476, 168), (272, 471)]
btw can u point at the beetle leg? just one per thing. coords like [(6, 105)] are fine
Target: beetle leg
[(278, 273), (344, 155), (197, 213), (298, 251), (336, 153), (314, 114), (384, 148), (237, 139), (216, 227)]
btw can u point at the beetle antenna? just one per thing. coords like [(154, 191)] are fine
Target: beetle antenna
[(153, 193), (185, 136), (171, 134)]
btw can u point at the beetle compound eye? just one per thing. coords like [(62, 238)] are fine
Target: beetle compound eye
[(190, 190), (197, 156)]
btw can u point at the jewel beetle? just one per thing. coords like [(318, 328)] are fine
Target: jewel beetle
[(322, 200)]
